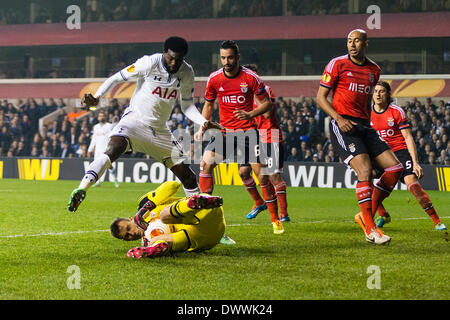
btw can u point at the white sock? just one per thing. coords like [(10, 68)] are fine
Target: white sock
[(191, 192), (112, 174), (95, 171)]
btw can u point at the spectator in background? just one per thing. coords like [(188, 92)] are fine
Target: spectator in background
[(178, 117), (315, 158), (320, 156), (431, 158), (442, 157), (75, 114), (34, 151), (55, 148), (313, 130), (45, 153), (292, 139), (308, 157), (65, 150), (5, 140), (15, 129), (21, 150), (25, 124), (293, 156), (334, 157)]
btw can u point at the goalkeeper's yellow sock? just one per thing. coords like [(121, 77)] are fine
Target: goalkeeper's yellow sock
[(181, 211)]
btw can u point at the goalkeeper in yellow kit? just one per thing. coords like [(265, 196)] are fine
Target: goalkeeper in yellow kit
[(172, 224)]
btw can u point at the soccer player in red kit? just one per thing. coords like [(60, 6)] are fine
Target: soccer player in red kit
[(271, 143), (235, 87), (392, 125), (352, 78)]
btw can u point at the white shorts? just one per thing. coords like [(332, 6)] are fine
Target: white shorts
[(155, 140)]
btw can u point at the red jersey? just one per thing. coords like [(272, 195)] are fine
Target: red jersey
[(235, 93), (352, 85), (389, 124), (269, 128)]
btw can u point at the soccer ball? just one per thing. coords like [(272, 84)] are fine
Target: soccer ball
[(155, 228)]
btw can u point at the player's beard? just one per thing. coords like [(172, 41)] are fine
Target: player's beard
[(230, 68), (174, 70)]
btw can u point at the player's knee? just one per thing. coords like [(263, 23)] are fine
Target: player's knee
[(186, 175), (166, 218), (206, 167), (263, 179), (244, 172), (275, 179), (116, 147), (364, 173)]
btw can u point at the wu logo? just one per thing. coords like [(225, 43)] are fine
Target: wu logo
[(38, 169), (156, 78)]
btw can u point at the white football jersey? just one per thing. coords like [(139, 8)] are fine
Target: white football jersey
[(157, 90), (100, 138)]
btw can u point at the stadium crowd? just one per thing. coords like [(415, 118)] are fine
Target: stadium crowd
[(301, 121)]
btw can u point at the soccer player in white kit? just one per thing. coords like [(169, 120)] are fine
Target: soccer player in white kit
[(99, 142), (162, 79)]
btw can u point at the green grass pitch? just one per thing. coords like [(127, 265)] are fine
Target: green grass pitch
[(322, 254)]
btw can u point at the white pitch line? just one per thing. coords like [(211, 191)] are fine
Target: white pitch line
[(52, 233), (229, 225)]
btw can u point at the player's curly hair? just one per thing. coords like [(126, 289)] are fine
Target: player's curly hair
[(176, 44), (230, 44), (387, 86)]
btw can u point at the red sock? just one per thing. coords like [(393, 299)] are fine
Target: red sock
[(381, 210), (280, 190), (206, 182), (424, 200), (364, 196), (271, 201), (385, 185), (250, 185)]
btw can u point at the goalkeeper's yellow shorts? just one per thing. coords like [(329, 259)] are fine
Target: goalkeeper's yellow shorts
[(207, 231)]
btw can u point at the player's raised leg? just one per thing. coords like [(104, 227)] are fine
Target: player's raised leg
[(116, 147)]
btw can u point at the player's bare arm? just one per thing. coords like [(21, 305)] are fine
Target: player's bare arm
[(407, 134), (344, 124), (263, 106), (91, 101), (207, 113), (208, 109)]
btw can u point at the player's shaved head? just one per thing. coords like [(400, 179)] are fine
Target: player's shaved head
[(360, 32), (176, 44), (356, 45)]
